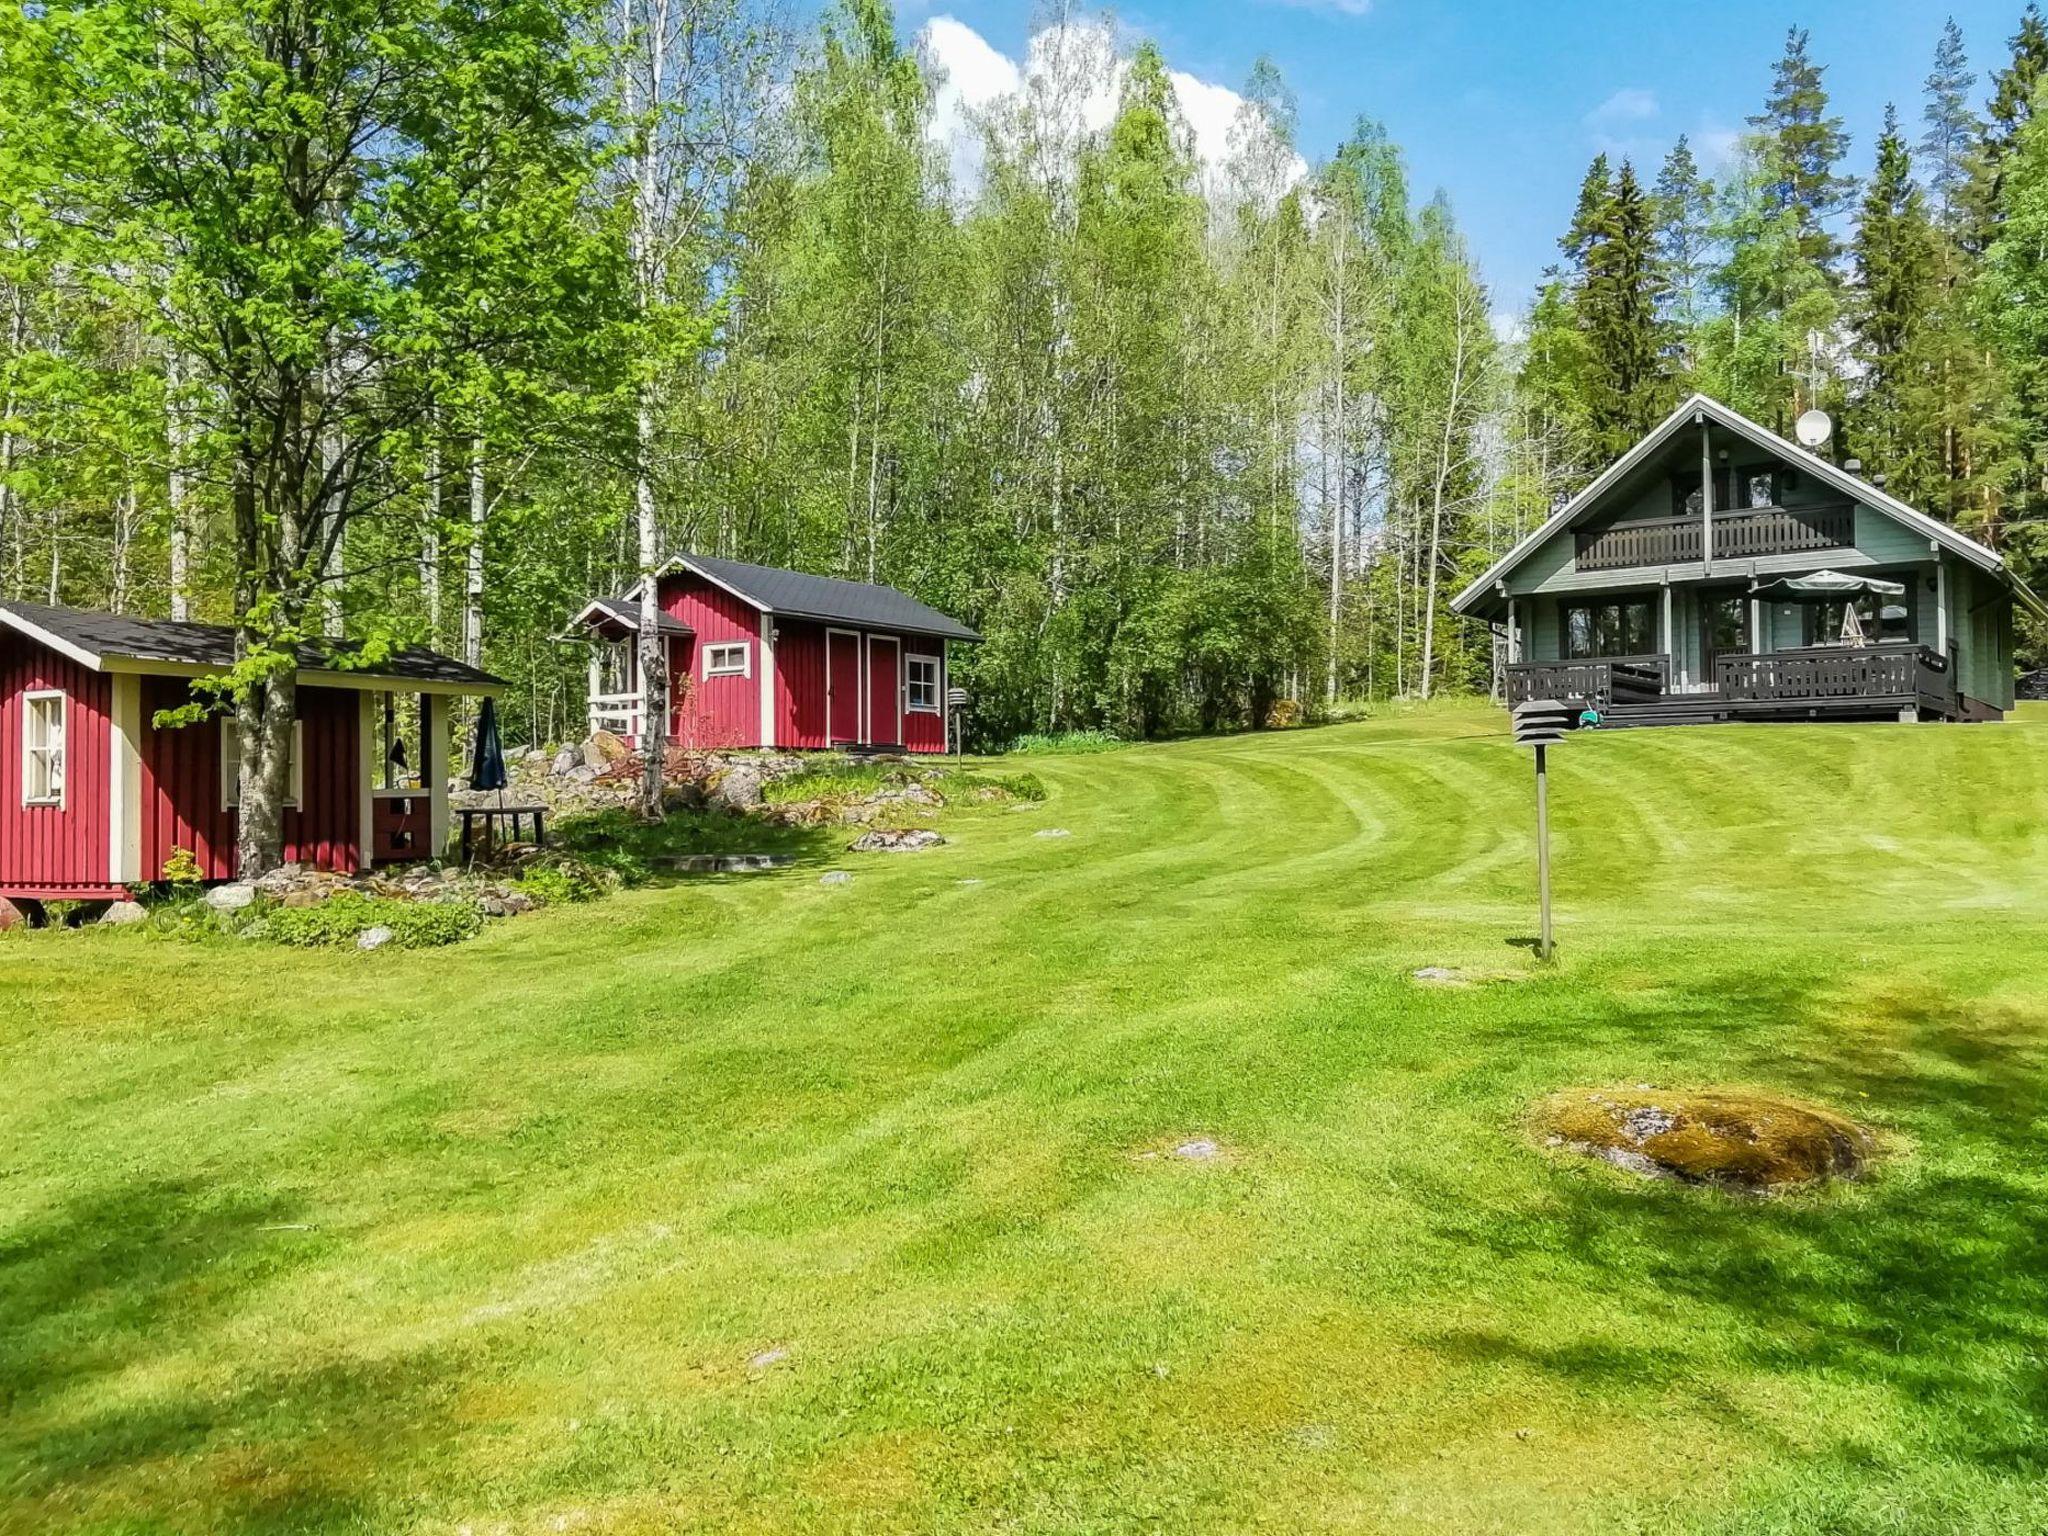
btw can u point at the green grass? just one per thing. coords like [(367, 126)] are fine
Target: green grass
[(494, 1237)]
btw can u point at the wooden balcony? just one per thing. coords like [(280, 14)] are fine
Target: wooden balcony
[(1597, 683), (1737, 536)]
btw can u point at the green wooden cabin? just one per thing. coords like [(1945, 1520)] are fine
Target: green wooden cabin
[(1653, 596)]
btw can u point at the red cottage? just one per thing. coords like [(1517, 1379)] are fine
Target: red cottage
[(94, 798), (761, 657)]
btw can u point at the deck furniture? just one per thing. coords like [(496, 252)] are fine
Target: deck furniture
[(495, 817)]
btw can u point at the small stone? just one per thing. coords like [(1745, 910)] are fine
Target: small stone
[(493, 906), (374, 938), (835, 877), (769, 1357), (1052, 832), (121, 913), (566, 762), (304, 896), (1200, 1150), (232, 897)]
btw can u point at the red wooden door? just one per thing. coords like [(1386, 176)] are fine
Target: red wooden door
[(885, 702), (842, 687)]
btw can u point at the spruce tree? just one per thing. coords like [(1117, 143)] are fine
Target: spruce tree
[(1897, 289), (1684, 207), (1618, 309), (2011, 105), (1802, 146), (1595, 192), (1952, 128)]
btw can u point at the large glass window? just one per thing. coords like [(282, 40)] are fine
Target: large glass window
[(1623, 627)]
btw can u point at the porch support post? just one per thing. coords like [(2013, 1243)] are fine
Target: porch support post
[(1514, 632), (371, 710), (1668, 638), (1941, 607), (596, 687), (1756, 627), (435, 756), (1706, 497), (124, 780), (767, 679)]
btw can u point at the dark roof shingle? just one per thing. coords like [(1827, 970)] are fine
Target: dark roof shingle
[(213, 645), (825, 597)]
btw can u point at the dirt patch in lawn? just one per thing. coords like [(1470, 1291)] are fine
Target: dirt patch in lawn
[(1733, 1138)]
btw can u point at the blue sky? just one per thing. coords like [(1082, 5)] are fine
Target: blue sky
[(1503, 102)]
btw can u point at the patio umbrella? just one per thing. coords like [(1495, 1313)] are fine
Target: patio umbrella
[(1824, 587), (488, 770)]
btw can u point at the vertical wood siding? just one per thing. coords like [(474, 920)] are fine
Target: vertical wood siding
[(181, 798), (47, 848), (800, 684), (720, 711), (925, 732)]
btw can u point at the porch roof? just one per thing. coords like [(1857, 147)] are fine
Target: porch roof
[(622, 613), (828, 599), (115, 642)]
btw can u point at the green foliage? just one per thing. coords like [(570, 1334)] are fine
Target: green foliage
[(1064, 743), (556, 878), (182, 868), (837, 781), (345, 916)]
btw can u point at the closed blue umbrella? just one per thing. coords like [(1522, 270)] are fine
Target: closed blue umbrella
[(488, 771)]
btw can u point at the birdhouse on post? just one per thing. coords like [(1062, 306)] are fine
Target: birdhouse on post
[(1542, 723)]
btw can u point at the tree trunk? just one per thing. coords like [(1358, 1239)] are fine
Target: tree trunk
[(473, 560), (179, 482)]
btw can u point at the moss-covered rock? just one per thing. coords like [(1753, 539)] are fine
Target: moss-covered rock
[(1736, 1138)]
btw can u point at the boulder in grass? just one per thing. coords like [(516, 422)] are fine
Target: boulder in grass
[(896, 840), (374, 938), (1733, 1138), (231, 897), (120, 914), (11, 916)]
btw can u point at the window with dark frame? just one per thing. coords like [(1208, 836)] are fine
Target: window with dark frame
[(1610, 627)]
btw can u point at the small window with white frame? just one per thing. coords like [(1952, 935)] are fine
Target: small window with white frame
[(921, 684), (726, 660), (231, 765), (44, 718)]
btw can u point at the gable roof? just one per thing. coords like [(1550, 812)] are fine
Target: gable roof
[(114, 642), (1852, 486), (826, 598), (624, 611)]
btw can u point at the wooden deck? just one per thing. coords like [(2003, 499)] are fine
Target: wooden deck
[(1878, 682)]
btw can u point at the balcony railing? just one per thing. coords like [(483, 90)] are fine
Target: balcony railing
[(1737, 536), (1594, 683), (1902, 671)]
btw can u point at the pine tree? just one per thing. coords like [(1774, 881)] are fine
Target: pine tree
[(1952, 128), (1618, 310), (1802, 146)]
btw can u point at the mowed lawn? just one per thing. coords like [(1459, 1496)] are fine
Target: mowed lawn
[(753, 1204)]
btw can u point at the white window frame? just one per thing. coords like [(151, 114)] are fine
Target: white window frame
[(29, 749), (744, 669), (937, 705), (231, 765)]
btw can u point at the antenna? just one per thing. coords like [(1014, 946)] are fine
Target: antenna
[(1813, 428)]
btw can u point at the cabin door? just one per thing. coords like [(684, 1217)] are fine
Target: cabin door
[(885, 699), (842, 687), (1724, 627)]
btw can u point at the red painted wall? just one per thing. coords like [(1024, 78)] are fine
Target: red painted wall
[(50, 850), (720, 711), (726, 711), (181, 785)]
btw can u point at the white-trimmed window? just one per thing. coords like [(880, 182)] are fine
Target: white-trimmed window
[(727, 659), (921, 684), (44, 717), (231, 765)]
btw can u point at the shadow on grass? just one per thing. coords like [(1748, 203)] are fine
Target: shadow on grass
[(114, 1390), (1930, 1282)]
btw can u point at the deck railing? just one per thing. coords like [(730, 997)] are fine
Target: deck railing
[(618, 713), (1913, 675), (1591, 683), (1737, 536)]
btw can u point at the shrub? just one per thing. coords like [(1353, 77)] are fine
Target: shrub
[(562, 878), (839, 781), (1065, 743), (345, 916), (181, 868), (994, 786)]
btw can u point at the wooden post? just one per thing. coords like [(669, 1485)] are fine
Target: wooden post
[(1544, 946), (1706, 498)]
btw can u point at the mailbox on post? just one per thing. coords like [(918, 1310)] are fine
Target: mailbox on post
[(1542, 723)]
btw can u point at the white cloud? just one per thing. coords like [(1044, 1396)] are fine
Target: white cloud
[(1630, 104), (979, 77)]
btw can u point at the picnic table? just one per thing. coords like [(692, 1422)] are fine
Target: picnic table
[(496, 819)]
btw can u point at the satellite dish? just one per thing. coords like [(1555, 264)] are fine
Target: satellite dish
[(1813, 429)]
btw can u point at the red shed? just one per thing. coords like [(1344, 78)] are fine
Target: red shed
[(761, 657), (94, 798)]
